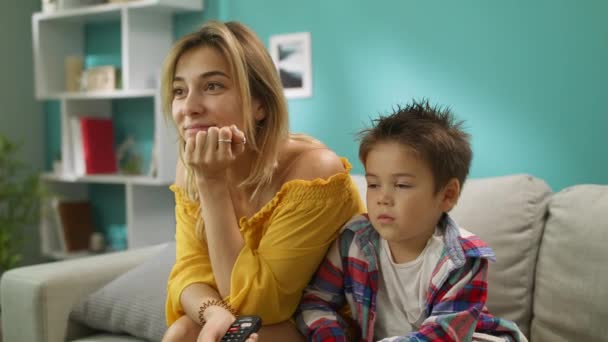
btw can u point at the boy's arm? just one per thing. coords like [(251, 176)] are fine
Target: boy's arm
[(317, 314), (458, 309)]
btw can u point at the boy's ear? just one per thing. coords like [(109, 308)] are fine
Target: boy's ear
[(450, 195)]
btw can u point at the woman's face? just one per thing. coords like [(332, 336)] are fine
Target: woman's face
[(205, 93)]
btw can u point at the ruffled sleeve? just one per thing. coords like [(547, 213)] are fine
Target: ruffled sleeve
[(298, 227), (192, 264)]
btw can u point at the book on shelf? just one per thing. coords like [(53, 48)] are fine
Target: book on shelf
[(78, 151), (51, 234), (98, 145), (77, 223), (93, 141), (68, 226)]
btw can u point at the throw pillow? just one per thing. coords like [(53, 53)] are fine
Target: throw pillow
[(133, 303)]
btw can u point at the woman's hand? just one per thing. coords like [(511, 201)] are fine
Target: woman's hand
[(218, 320), (253, 338), (210, 153)]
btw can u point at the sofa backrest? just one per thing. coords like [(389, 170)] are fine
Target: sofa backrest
[(571, 293), (508, 213)]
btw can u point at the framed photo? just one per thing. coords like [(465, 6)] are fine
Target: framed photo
[(292, 57)]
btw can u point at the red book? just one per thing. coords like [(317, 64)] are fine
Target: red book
[(98, 145)]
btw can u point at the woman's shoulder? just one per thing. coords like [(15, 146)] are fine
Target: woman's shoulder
[(310, 172), (307, 159)]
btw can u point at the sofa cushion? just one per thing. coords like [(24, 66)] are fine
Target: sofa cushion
[(133, 303), (572, 273), (508, 213)]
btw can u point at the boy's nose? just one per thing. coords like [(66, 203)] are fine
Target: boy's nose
[(385, 199)]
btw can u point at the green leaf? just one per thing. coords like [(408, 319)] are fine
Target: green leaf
[(20, 194)]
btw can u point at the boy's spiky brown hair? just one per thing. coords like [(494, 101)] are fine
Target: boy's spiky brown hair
[(431, 131)]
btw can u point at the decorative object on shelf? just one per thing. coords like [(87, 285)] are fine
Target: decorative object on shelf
[(153, 170), (58, 164), (97, 243), (67, 4), (292, 56), (73, 73), (117, 236), (49, 6), (129, 161), (101, 78), (21, 194)]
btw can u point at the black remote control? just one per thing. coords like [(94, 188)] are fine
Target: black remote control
[(242, 328)]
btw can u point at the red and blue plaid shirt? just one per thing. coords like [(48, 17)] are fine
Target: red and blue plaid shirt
[(455, 302)]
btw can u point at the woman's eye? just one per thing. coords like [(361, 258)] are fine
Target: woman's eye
[(403, 186), (178, 91), (212, 86), (372, 185)]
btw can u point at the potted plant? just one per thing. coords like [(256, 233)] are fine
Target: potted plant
[(20, 194)]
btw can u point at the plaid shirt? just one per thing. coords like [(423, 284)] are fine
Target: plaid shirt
[(455, 302)]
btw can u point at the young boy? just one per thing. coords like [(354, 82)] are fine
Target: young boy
[(406, 270)]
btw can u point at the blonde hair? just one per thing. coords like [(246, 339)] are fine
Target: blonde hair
[(255, 76)]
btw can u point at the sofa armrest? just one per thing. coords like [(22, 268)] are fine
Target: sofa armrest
[(36, 300)]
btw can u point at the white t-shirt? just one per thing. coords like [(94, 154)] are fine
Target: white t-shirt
[(402, 289)]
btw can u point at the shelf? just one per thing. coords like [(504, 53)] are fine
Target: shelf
[(57, 255), (105, 12), (94, 95), (93, 13), (141, 35), (105, 179)]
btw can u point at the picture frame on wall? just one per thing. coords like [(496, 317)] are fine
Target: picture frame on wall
[(291, 54)]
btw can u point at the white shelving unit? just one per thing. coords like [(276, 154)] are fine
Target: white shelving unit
[(146, 30)]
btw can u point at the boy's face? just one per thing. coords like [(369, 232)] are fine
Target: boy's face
[(401, 200)]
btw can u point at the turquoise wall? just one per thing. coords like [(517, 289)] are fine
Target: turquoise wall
[(529, 77), (102, 44)]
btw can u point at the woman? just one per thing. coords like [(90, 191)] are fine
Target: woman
[(256, 206)]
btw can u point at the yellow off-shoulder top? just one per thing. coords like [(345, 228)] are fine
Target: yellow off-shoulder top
[(284, 244)]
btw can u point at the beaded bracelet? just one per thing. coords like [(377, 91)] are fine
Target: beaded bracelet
[(213, 302)]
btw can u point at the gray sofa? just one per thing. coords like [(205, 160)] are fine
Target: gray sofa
[(551, 276)]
